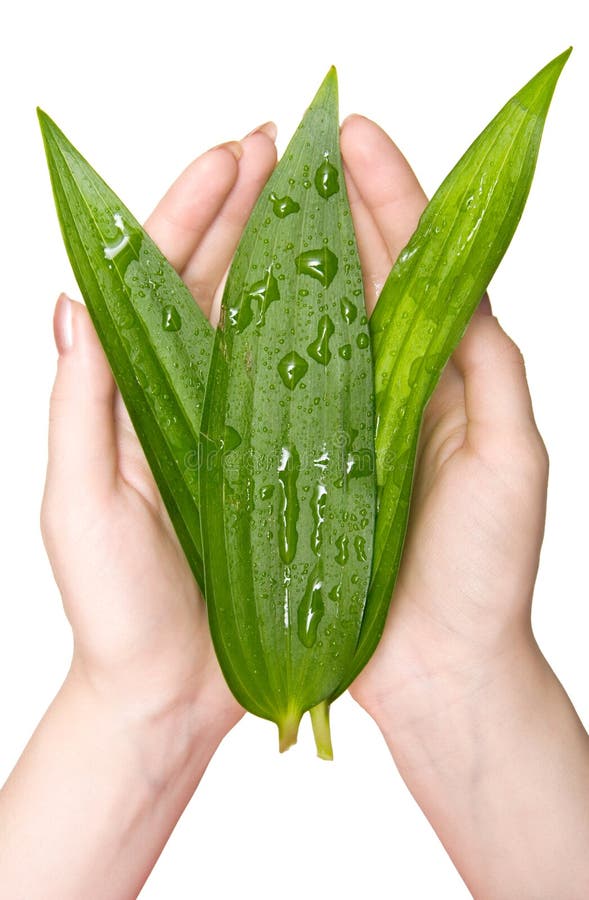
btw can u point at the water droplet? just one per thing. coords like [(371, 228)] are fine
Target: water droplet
[(326, 179), (348, 309), (342, 545), (291, 369), (345, 351), (335, 593), (319, 348), (363, 340), (231, 439), (310, 612), (288, 514), (360, 548), (414, 370), (241, 315), (283, 206), (267, 491), (360, 463), (113, 249), (321, 264), (171, 320), (264, 292), (318, 502)]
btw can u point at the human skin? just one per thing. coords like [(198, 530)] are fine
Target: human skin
[(479, 726), (124, 744), (473, 716)]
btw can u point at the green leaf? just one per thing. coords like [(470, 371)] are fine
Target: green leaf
[(288, 502), (156, 339), (426, 303)]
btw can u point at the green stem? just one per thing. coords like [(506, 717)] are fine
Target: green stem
[(288, 729), (321, 730)]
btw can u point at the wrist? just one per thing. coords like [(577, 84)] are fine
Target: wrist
[(498, 761), (104, 784), (165, 733), (455, 688)]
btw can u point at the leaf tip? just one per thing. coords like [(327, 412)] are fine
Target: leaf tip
[(537, 93), (328, 89)]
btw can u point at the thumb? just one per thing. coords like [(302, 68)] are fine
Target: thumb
[(496, 392), (82, 446)]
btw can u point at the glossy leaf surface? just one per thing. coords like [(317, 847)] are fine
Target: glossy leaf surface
[(288, 501), (426, 303), (156, 339)]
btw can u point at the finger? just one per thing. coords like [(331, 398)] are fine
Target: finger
[(447, 399), (375, 259), (385, 181), (496, 390), (209, 262), (82, 446), (181, 218)]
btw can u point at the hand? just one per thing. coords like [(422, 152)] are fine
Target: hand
[(479, 726), (464, 590), (140, 629), (117, 756)]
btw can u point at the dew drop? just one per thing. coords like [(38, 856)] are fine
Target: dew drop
[(360, 463), (291, 369), (360, 548), (335, 593), (231, 439), (288, 514), (345, 351), (283, 206), (241, 315), (348, 309), (267, 491), (319, 348), (113, 249), (171, 320), (310, 612), (264, 292), (342, 546), (320, 264), (318, 502), (414, 371), (363, 340), (326, 180)]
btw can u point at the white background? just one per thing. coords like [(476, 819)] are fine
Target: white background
[(141, 89)]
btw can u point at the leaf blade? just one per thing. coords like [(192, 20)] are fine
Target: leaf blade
[(292, 378), (426, 303), (148, 324)]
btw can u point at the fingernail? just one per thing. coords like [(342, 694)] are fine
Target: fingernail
[(485, 306), (268, 128), (62, 324), (234, 148)]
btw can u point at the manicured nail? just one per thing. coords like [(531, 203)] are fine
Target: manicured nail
[(62, 324), (268, 128), (234, 147), (485, 306)]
